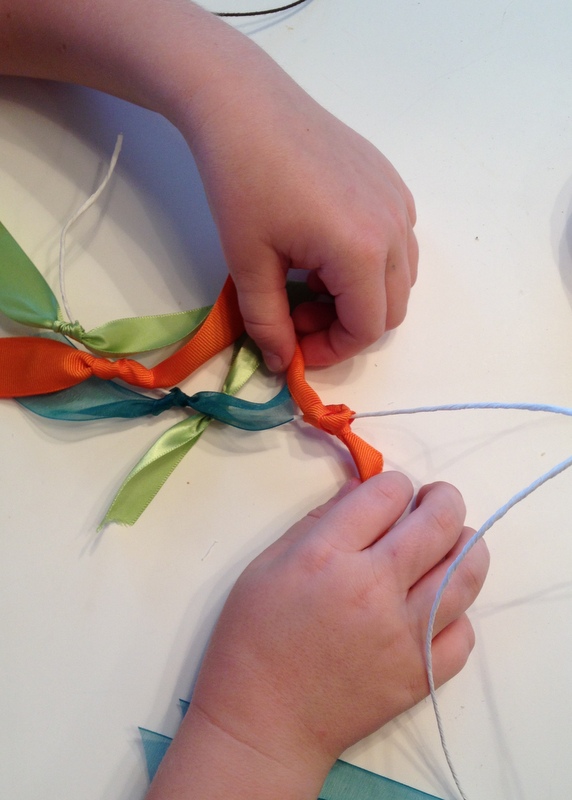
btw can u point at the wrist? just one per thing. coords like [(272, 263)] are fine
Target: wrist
[(219, 764)]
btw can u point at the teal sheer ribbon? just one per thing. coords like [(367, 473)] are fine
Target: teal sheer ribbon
[(98, 399), (151, 472), (25, 297), (344, 782)]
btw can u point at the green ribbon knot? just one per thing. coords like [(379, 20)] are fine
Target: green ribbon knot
[(72, 330), (25, 297)]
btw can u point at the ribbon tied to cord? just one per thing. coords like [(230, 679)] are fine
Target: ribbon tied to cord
[(72, 330), (33, 365), (25, 297), (334, 419)]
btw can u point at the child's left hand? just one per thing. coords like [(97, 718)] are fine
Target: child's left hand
[(321, 641)]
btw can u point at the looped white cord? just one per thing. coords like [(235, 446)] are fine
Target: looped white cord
[(552, 473), (88, 203), (517, 498)]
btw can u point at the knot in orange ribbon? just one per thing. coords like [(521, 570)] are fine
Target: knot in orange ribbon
[(126, 369), (334, 418)]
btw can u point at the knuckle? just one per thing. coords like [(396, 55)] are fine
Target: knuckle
[(410, 204), (446, 507), (446, 520), (400, 221), (395, 315), (261, 329), (474, 570), (372, 247), (464, 644), (391, 489), (314, 558)]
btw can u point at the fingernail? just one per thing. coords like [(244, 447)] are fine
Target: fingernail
[(273, 362)]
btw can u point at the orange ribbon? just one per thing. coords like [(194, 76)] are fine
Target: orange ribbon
[(334, 419), (32, 365)]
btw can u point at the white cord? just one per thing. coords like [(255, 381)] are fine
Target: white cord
[(88, 203)]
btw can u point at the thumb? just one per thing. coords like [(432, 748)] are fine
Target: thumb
[(301, 529), (263, 301)]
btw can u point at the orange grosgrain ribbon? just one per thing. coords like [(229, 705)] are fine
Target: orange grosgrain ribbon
[(334, 419)]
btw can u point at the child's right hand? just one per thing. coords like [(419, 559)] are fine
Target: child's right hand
[(289, 184)]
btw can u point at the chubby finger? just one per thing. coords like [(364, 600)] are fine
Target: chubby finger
[(423, 538), (400, 275), (451, 649), (313, 316), (265, 308), (369, 298), (365, 514), (463, 588), (358, 289)]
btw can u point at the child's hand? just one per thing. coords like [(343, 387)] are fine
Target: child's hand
[(321, 640), (325, 630), (289, 185), (292, 186)]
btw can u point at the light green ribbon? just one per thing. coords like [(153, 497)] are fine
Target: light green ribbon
[(149, 475), (25, 297)]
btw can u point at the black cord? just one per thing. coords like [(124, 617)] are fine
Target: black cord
[(257, 13)]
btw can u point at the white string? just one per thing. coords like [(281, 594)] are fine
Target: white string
[(545, 407), (552, 473), (464, 406), (88, 203), (517, 498)]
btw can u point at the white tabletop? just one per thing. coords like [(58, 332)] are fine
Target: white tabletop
[(101, 633)]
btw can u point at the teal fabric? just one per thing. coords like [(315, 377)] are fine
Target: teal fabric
[(348, 782), (155, 745), (243, 413), (99, 399)]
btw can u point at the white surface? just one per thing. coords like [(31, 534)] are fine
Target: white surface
[(472, 103)]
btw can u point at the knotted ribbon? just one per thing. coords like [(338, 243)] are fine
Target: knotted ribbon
[(33, 365), (97, 399), (334, 419), (25, 297)]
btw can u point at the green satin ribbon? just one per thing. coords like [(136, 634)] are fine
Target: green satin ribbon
[(25, 297), (344, 782), (149, 475)]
